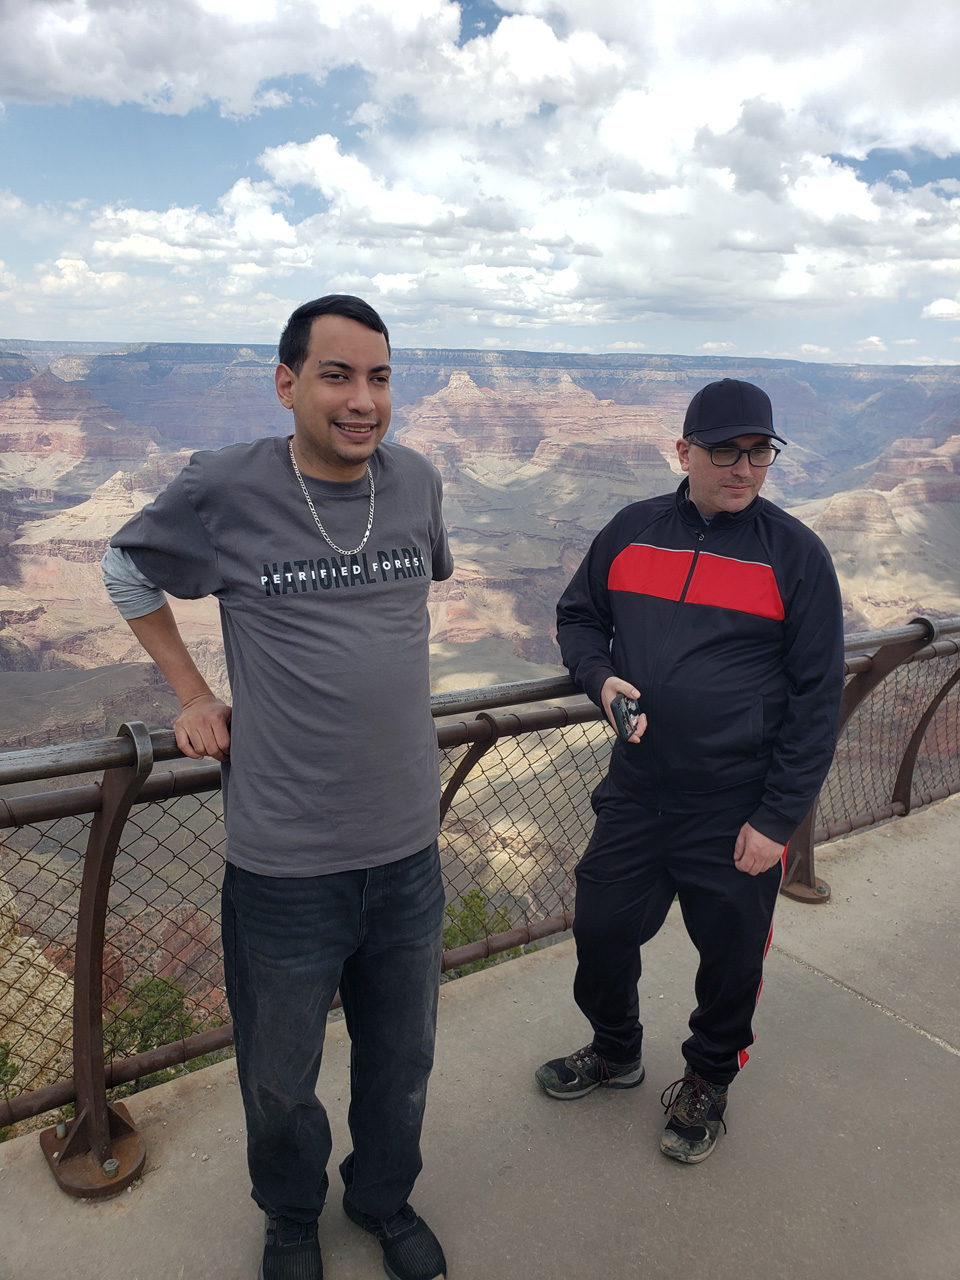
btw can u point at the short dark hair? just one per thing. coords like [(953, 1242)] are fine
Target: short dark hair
[(292, 349)]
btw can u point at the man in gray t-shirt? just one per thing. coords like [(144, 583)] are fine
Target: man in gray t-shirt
[(320, 550)]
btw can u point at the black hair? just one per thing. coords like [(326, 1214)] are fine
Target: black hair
[(292, 349)]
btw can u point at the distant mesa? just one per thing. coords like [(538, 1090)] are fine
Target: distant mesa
[(82, 532), (923, 457), (461, 389), (863, 513), (526, 422), (14, 368), (44, 415)]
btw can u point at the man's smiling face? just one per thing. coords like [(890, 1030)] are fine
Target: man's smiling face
[(340, 398), (715, 489)]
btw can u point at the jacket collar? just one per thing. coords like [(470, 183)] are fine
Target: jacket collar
[(723, 520)]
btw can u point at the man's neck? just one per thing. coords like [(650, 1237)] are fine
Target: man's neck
[(318, 469)]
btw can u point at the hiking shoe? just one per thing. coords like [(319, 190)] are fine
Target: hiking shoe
[(695, 1108), (410, 1249), (585, 1071), (291, 1250)]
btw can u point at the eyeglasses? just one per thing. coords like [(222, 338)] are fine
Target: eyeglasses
[(728, 455)]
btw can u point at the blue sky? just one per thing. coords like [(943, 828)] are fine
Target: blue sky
[(756, 179)]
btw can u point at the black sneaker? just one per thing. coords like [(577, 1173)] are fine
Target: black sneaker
[(291, 1250), (410, 1249), (695, 1108), (585, 1071)]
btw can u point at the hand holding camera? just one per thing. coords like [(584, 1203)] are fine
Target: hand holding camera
[(621, 701), (626, 714)]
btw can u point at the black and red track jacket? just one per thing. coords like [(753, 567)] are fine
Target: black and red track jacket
[(733, 633)]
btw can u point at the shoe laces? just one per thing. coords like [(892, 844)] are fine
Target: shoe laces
[(288, 1232), (693, 1097), (588, 1057), (399, 1222)]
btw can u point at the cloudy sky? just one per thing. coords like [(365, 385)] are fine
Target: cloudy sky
[(752, 177)]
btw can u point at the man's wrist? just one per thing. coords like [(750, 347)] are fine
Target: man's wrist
[(772, 825), (593, 685), (189, 702)]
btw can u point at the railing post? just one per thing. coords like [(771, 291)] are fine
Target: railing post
[(465, 767), (101, 1151), (903, 787), (801, 881)]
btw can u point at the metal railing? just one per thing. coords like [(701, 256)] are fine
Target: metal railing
[(110, 964)]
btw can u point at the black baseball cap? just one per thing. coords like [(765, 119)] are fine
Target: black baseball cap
[(722, 410)]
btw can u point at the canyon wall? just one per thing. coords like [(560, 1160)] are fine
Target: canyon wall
[(537, 451)]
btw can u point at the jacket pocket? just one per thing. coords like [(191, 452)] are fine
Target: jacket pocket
[(707, 739)]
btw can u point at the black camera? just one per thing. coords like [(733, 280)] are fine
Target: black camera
[(626, 713)]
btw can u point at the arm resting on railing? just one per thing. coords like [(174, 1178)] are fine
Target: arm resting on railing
[(202, 728)]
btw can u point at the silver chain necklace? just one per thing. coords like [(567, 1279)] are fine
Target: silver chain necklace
[(341, 551)]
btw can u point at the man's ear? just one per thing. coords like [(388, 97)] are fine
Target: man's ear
[(286, 381), (683, 453)]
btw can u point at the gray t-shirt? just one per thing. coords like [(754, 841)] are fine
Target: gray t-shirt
[(333, 758)]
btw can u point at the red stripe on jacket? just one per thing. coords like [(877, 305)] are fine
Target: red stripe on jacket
[(650, 571), (744, 585), (719, 581)]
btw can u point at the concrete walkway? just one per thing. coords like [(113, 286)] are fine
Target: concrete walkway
[(842, 1159)]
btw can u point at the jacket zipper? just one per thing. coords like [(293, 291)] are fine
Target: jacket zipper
[(667, 634)]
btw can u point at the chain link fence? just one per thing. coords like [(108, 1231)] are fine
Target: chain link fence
[(870, 749), (40, 870), (521, 820), (510, 841)]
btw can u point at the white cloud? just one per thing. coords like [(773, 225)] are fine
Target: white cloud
[(245, 228), (942, 309), (260, 11), (350, 186), (72, 278), (579, 165)]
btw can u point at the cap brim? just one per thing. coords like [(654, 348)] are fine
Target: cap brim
[(719, 435)]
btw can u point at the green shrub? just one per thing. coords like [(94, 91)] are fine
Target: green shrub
[(471, 919), (153, 1014)]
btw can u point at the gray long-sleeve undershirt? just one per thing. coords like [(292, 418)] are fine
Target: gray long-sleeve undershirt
[(132, 593)]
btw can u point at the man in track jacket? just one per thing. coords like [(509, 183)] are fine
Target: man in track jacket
[(722, 615)]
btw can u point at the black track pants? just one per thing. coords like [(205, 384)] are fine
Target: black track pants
[(635, 863)]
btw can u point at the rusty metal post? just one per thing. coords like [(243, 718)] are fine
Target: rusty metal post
[(801, 881), (903, 787), (102, 1151), (885, 660), (465, 767)]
